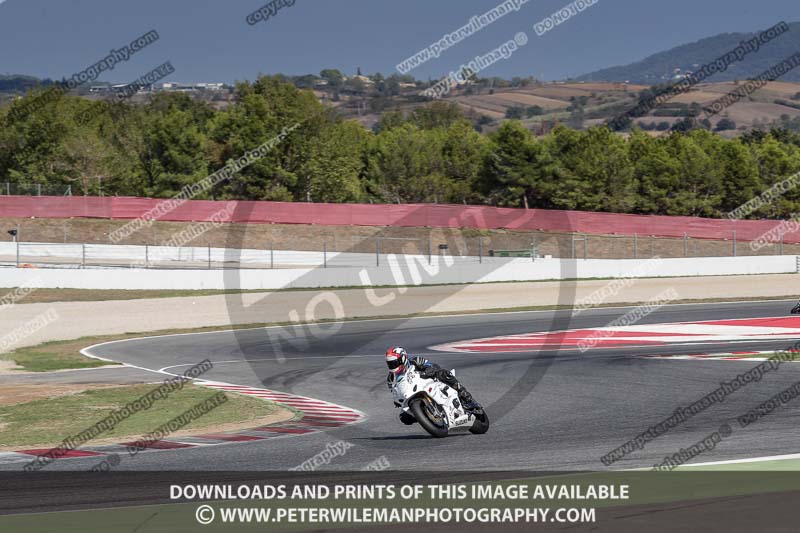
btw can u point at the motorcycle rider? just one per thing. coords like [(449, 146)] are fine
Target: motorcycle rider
[(398, 361)]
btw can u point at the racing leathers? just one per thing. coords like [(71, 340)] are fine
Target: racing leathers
[(430, 370)]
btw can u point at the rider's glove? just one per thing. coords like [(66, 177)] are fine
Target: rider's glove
[(418, 362)]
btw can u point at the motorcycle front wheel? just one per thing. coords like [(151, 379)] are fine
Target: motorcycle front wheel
[(430, 417), (481, 424)]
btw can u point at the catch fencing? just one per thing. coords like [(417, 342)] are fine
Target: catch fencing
[(34, 189), (371, 251)]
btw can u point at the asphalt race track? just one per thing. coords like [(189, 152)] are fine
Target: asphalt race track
[(550, 409)]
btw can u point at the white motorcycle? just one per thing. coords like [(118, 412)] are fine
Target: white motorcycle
[(435, 405)]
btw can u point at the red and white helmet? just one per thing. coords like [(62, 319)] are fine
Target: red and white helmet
[(396, 359)]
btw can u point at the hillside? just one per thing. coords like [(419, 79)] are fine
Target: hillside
[(540, 106), (662, 67)]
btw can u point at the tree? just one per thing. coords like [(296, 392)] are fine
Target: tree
[(389, 120), (515, 112), (510, 174), (334, 77), (701, 191), (576, 118), (355, 86), (684, 125), (655, 173), (261, 112), (437, 115), (308, 81), (32, 143), (776, 162), (334, 170), (379, 81), (534, 111), (405, 165), (725, 124), (483, 120), (463, 153), (590, 170), (741, 181), (179, 147), (393, 85)]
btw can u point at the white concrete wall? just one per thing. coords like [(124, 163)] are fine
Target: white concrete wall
[(133, 255), (401, 270)]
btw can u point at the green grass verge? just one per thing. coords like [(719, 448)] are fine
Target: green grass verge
[(98, 295), (54, 355), (775, 465), (47, 422)]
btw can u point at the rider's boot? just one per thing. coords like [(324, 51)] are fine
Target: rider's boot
[(407, 419), (467, 401)]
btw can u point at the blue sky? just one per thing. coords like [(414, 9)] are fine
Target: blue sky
[(209, 40)]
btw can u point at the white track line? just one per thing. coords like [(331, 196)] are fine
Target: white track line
[(748, 460)]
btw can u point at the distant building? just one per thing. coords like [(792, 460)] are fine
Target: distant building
[(210, 86), (365, 80), (188, 87)]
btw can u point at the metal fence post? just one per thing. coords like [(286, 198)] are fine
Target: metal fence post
[(146, 256), (480, 250), (17, 250), (83, 255), (573, 247), (378, 252), (271, 254), (8, 188), (39, 189), (685, 244), (324, 255), (430, 259), (780, 232), (585, 242)]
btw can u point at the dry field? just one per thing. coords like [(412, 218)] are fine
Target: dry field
[(605, 86), (558, 92), (744, 113), (696, 96), (512, 98)]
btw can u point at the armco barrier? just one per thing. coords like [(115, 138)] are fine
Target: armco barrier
[(408, 215), (404, 270)]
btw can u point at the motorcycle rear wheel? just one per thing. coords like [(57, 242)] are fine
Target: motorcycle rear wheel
[(421, 409)]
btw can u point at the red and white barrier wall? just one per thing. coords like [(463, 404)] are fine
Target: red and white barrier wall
[(407, 215)]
